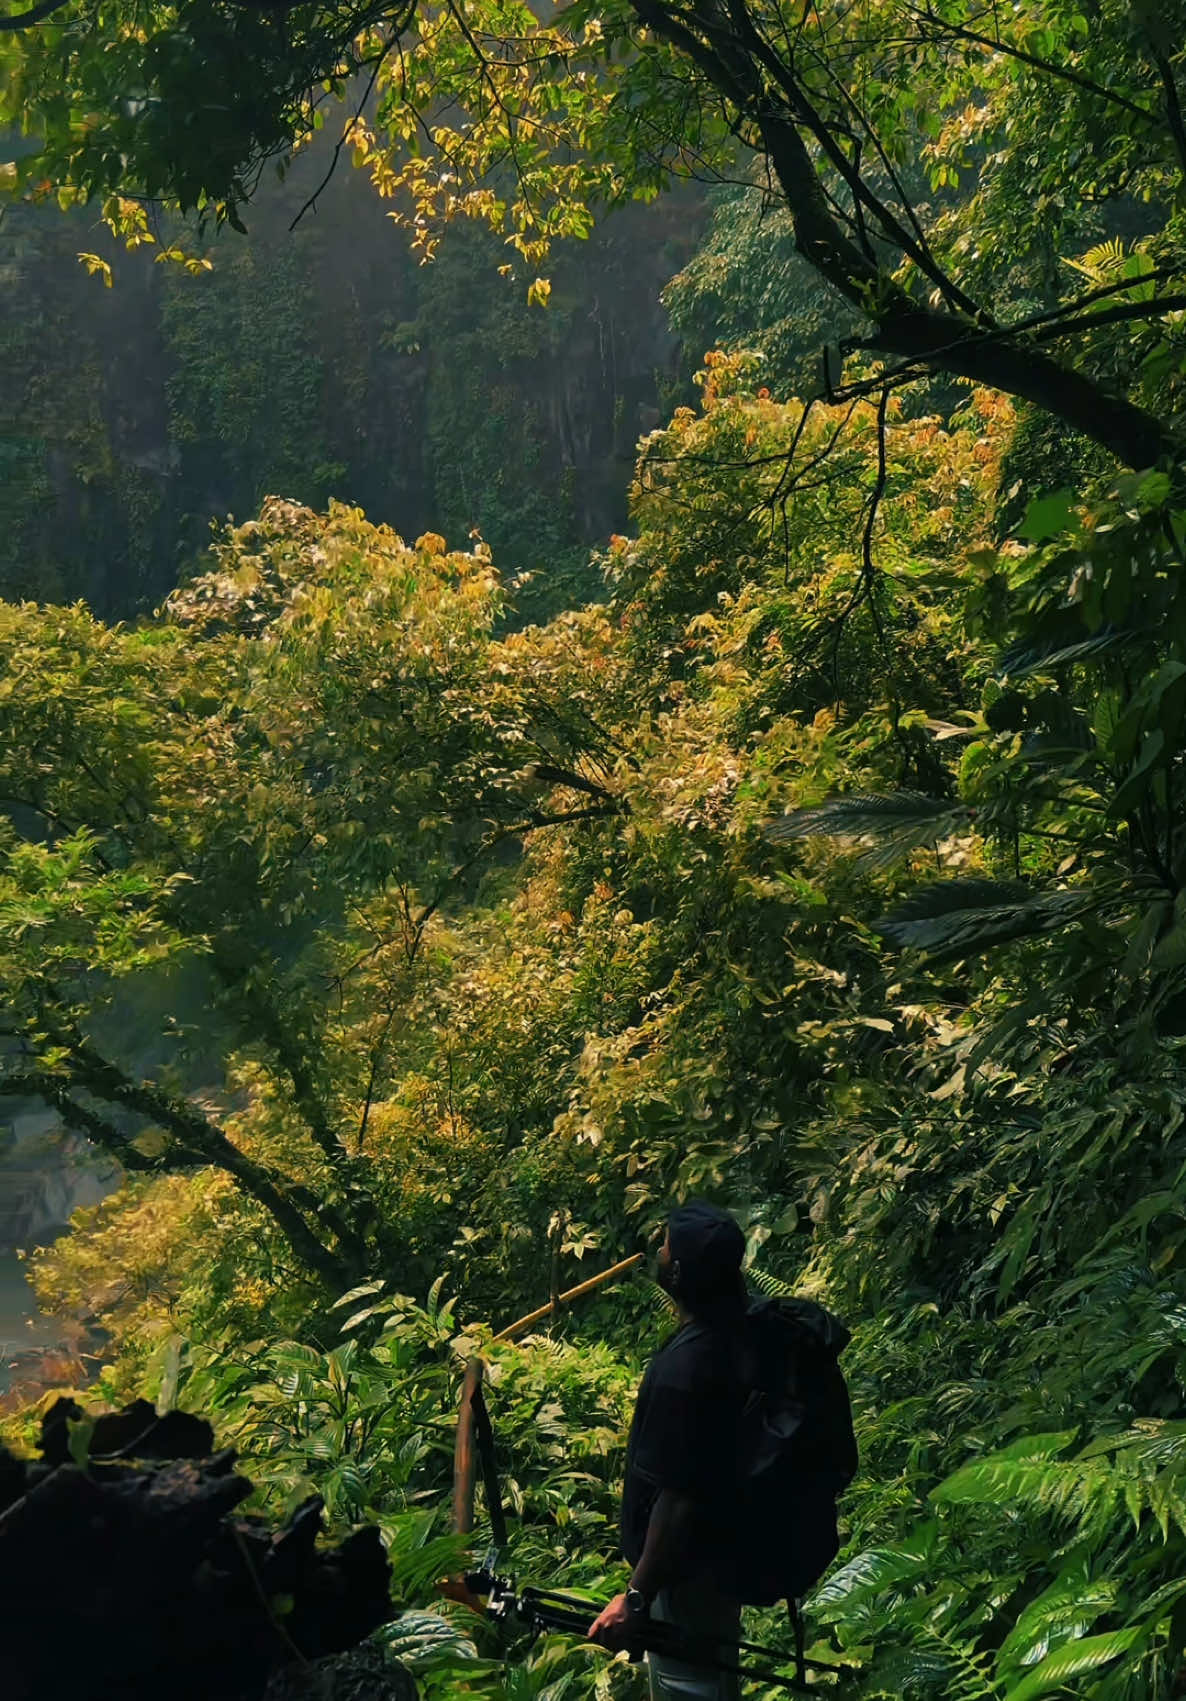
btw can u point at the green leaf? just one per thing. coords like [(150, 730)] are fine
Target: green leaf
[(362, 1292), (1086, 1654), (1047, 516), (420, 1640), (78, 1440), (1062, 1613), (877, 1569), (1136, 784), (860, 815), (955, 918)]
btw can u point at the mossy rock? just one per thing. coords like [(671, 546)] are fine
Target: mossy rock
[(363, 1674)]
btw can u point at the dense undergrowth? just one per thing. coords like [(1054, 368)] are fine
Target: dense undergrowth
[(829, 865)]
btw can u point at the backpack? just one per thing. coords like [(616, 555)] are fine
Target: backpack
[(796, 1452)]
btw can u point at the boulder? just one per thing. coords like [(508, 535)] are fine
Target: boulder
[(132, 1574)]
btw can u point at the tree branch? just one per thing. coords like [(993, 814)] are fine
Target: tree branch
[(43, 1084), (548, 772), (36, 15), (396, 29), (1173, 104), (936, 340), (1113, 316), (199, 1138), (796, 96), (377, 1051)]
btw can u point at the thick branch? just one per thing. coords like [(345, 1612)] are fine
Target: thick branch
[(1129, 310), (271, 1028), (200, 1138), (548, 772), (755, 44), (36, 15), (1135, 437), (1173, 104), (941, 341), (42, 1084)]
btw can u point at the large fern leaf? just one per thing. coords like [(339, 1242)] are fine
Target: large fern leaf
[(878, 1568), (772, 1286), (1141, 1471), (1061, 647), (890, 826), (960, 918)]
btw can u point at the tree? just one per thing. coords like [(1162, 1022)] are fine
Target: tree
[(935, 163), (207, 802)]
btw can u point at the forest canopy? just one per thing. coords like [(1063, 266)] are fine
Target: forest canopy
[(827, 860), (944, 171)]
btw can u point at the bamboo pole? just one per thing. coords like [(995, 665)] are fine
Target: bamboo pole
[(582, 1288)]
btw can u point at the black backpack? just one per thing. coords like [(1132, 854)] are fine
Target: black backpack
[(797, 1451)]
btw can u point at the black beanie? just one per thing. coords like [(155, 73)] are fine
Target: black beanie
[(708, 1245)]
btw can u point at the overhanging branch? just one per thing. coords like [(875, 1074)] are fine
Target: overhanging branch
[(35, 15), (934, 340)]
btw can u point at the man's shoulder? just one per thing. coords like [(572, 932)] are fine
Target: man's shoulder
[(695, 1354)]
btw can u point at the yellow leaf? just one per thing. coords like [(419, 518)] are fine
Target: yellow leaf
[(97, 267), (538, 292)]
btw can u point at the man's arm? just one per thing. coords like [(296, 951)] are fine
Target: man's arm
[(664, 1554), (661, 1562)]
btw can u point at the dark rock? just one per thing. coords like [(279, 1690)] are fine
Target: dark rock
[(135, 1433), (133, 1567), (12, 1478)]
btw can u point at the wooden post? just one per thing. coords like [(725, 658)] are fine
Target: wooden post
[(465, 1455), (557, 1241)]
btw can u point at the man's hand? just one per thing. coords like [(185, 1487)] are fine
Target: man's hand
[(614, 1626)]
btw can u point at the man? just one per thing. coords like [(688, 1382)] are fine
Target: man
[(681, 1462)]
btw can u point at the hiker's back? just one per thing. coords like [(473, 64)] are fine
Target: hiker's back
[(796, 1450)]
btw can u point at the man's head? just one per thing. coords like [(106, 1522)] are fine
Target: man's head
[(700, 1259)]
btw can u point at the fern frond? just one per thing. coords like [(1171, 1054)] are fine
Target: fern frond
[(1102, 263), (939, 1664), (1061, 648), (877, 1569), (655, 1292), (960, 918), (863, 812), (889, 827), (1060, 1614), (1142, 1471)]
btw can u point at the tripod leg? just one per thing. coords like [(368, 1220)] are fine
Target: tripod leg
[(795, 1613)]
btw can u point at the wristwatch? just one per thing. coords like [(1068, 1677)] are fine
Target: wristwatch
[(637, 1604)]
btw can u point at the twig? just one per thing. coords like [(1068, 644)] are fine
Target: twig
[(376, 1058), (36, 15), (347, 128), (868, 574)]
